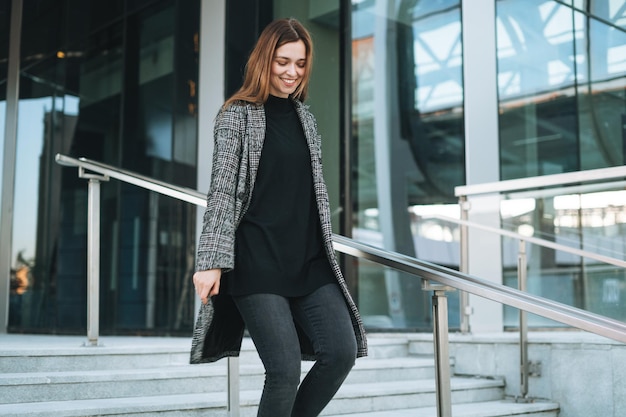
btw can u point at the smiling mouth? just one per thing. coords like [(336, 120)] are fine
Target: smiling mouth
[(289, 82)]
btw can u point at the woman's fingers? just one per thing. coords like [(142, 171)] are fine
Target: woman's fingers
[(207, 283), (215, 289)]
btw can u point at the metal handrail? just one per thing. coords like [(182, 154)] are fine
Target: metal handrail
[(542, 181), (181, 193), (445, 278), (572, 316), (534, 240)]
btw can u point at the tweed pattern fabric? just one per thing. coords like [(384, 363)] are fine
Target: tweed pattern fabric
[(239, 133), (205, 316)]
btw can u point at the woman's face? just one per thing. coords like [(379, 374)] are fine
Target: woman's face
[(288, 68)]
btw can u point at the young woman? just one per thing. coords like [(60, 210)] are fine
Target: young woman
[(265, 256)]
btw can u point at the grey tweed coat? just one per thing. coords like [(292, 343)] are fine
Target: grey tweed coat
[(239, 133)]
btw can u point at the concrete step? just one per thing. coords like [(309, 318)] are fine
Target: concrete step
[(192, 405), (351, 399), (361, 398), (83, 385), (75, 385), (498, 408), (51, 376), (37, 353), (179, 405)]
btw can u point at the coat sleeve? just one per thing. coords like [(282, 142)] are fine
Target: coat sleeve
[(217, 238)]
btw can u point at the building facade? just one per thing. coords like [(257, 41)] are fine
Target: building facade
[(413, 99)]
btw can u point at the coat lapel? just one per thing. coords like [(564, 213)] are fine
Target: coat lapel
[(310, 133), (255, 135)]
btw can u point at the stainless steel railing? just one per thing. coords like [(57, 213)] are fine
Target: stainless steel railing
[(544, 185), (541, 186), (435, 278), (521, 278), (544, 181)]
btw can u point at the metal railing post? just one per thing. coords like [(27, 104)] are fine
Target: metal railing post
[(441, 346), (523, 323), (464, 306), (93, 255), (9, 144), (233, 386)]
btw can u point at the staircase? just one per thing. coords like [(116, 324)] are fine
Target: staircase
[(47, 376)]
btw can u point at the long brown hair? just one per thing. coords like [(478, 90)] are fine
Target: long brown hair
[(256, 83)]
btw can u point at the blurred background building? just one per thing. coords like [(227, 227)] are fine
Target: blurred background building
[(413, 98)]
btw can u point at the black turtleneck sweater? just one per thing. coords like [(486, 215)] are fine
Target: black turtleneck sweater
[(278, 244)]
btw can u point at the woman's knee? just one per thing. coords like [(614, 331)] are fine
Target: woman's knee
[(340, 357), (283, 373)]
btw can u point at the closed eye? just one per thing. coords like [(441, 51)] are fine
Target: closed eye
[(282, 63)]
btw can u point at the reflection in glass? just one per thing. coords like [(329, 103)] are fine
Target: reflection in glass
[(115, 92), (593, 222), (408, 144), (562, 85), (562, 96)]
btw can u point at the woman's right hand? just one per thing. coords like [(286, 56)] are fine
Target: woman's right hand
[(207, 283)]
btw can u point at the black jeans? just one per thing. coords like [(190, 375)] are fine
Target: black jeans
[(324, 317)]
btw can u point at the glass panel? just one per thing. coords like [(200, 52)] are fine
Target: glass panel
[(602, 96), (562, 86), (611, 11), (562, 92), (536, 71), (408, 144), (590, 221), (388, 312), (109, 87)]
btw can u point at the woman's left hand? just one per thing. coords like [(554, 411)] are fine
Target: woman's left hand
[(207, 283)]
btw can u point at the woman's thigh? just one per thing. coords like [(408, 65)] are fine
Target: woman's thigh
[(270, 324), (325, 318)]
